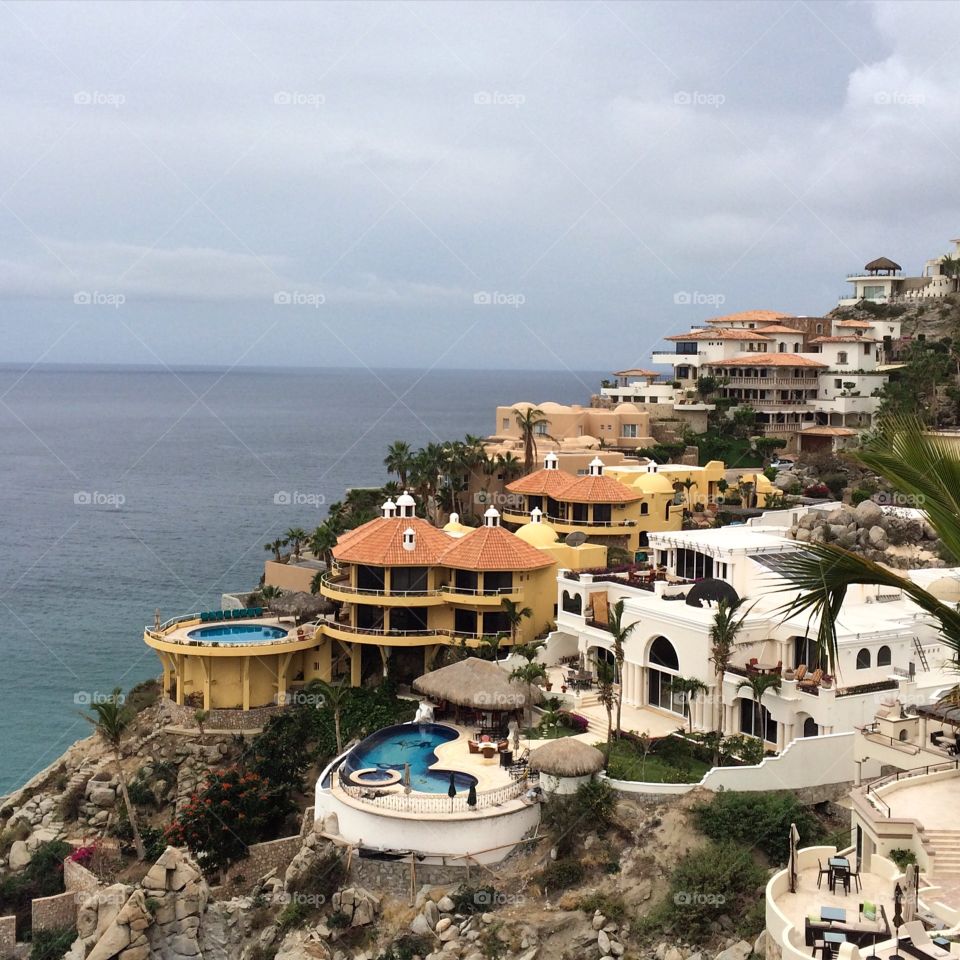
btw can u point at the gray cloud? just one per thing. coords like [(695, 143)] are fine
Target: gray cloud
[(587, 160)]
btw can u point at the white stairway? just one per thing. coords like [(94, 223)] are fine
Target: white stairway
[(946, 848)]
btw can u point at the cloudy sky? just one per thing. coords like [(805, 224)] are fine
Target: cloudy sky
[(476, 184)]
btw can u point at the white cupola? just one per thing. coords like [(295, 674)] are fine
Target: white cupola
[(409, 539), (492, 517), (536, 515), (596, 467), (454, 518), (551, 461), (406, 505), (389, 509)]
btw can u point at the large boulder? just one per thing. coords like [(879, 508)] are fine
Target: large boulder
[(19, 855), (878, 537), (868, 513)]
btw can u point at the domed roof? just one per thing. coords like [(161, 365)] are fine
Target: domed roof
[(454, 527), (626, 408), (405, 500), (550, 406), (653, 483), (537, 534)]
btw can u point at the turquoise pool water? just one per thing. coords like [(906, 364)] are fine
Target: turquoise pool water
[(413, 743), (237, 633)]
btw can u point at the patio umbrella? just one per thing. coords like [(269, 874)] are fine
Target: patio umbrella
[(406, 778), (300, 604), (514, 730), (897, 920), (794, 842), (472, 796), (910, 893), (452, 791)]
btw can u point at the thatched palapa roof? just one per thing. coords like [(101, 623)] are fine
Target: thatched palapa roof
[(297, 603), (476, 683), (566, 757)]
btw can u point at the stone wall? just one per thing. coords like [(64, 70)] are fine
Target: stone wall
[(77, 878), (393, 876), (8, 937), (181, 715), (55, 913), (264, 857)]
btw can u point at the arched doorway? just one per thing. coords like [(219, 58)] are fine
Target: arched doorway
[(663, 666), (810, 728)]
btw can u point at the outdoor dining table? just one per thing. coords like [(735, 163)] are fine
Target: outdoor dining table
[(833, 913), (832, 941), (839, 870)]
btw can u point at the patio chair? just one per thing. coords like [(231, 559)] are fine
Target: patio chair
[(800, 673), (822, 872), (472, 746), (855, 876), (813, 680)]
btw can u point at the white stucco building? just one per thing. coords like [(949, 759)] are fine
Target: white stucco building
[(887, 645)]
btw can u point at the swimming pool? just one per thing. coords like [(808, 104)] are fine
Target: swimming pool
[(237, 633), (413, 743)]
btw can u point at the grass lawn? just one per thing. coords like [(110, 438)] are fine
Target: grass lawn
[(627, 763), (549, 733)]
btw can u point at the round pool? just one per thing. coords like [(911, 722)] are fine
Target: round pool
[(406, 743), (237, 633)]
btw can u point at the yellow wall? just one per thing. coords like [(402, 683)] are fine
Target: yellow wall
[(288, 576)]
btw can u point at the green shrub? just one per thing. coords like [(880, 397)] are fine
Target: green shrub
[(293, 916), (611, 905), (323, 879), (859, 495), (560, 874), (51, 944), (903, 857), (143, 695), (407, 947), (757, 819)]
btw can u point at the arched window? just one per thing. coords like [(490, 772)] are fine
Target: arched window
[(819, 328), (883, 656), (782, 348), (644, 509), (664, 666), (662, 654), (796, 348), (863, 659), (572, 604), (810, 728)]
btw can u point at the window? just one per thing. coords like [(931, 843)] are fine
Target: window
[(506, 423), (541, 429), (805, 652), (782, 348), (883, 656), (659, 691), (755, 721), (810, 728), (644, 509), (863, 659), (866, 349), (629, 430), (842, 356), (873, 291), (838, 384), (796, 348), (819, 328)]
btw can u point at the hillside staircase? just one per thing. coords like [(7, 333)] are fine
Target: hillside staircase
[(946, 850), (596, 717)]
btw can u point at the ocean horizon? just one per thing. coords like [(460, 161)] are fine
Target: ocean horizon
[(131, 488)]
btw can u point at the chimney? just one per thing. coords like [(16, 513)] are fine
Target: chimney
[(409, 539)]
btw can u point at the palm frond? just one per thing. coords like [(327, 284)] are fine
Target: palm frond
[(824, 572)]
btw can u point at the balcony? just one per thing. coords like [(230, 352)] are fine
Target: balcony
[(478, 597), (395, 638), (339, 588), (675, 356), (600, 526), (788, 383)]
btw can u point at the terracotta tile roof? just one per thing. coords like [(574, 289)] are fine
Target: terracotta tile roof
[(493, 548), (846, 338), (380, 542), (751, 316), (600, 489), (769, 360), (778, 328), (718, 334), (855, 324), (542, 482)]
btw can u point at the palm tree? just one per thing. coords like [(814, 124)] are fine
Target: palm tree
[(510, 466), (334, 696), (200, 718), (688, 486), (688, 688), (491, 644), (619, 633), (275, 548), (759, 684), (529, 673), (399, 460), (607, 697), (724, 630), (528, 420), (322, 542), (922, 467), (265, 594), (295, 536), (514, 614), (112, 719)]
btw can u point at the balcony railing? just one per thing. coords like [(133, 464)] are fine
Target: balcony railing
[(425, 633), (342, 586), (430, 802), (882, 804), (512, 516)]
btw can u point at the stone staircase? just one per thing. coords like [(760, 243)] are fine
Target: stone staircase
[(589, 706), (946, 848)]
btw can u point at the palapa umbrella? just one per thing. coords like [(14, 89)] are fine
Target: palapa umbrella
[(452, 791), (299, 604), (794, 843)]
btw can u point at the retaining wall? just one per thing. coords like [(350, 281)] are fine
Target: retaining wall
[(182, 715), (58, 912), (8, 937)]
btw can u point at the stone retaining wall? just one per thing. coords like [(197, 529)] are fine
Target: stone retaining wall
[(8, 937), (264, 857), (77, 878), (393, 876), (58, 912), (182, 715)]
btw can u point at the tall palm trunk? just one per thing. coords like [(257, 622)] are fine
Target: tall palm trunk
[(131, 813)]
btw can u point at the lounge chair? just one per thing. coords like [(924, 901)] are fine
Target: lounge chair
[(920, 939), (800, 673), (813, 680)]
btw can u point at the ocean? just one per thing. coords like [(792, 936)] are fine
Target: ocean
[(124, 490)]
